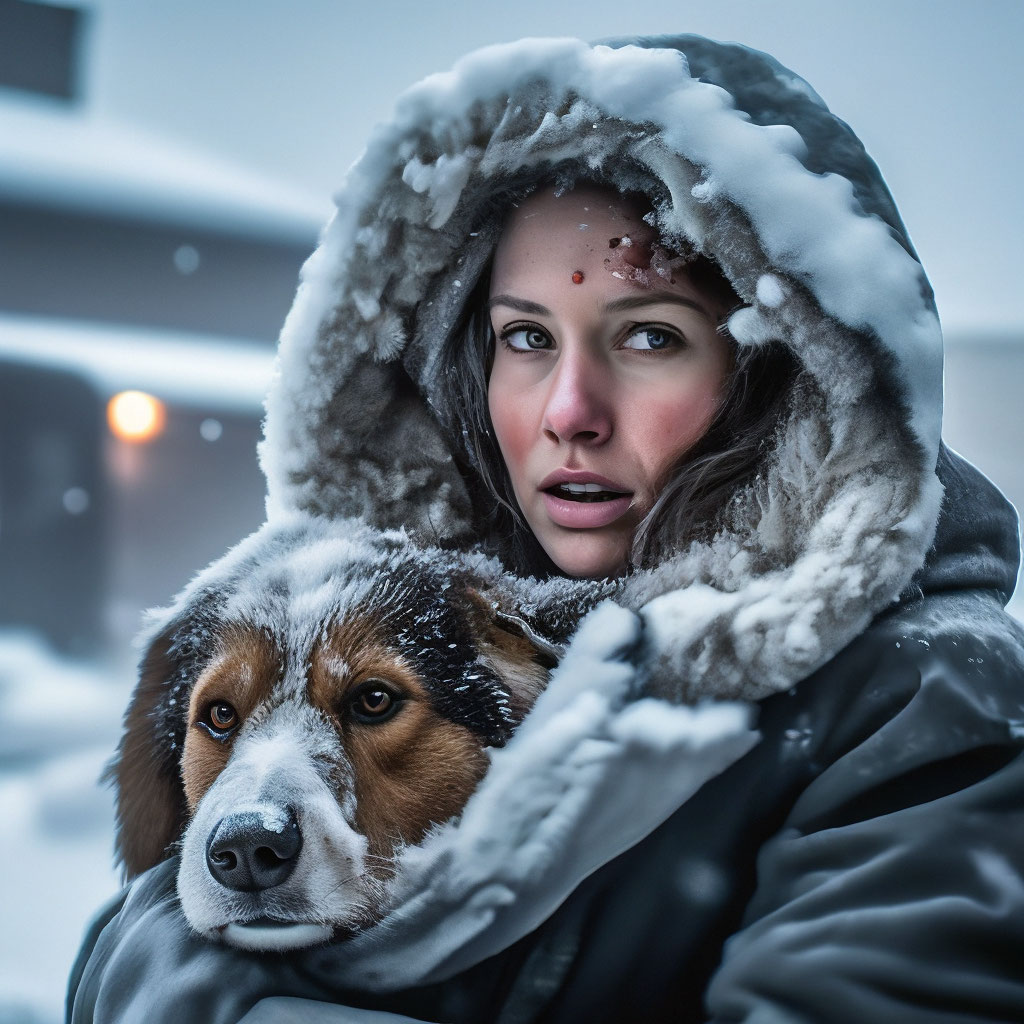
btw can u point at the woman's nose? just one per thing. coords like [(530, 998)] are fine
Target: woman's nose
[(578, 407)]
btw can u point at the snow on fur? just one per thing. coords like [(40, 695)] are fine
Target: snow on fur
[(297, 574)]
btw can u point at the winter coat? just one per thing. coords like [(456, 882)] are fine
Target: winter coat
[(637, 852)]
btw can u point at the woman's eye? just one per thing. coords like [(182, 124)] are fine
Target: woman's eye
[(374, 704), (220, 718), (652, 339), (526, 339)]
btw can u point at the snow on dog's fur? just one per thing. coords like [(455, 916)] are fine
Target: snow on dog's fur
[(313, 703)]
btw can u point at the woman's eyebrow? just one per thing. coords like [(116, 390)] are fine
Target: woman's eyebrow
[(522, 305), (651, 299)]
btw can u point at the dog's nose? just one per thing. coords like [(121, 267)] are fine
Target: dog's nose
[(245, 854)]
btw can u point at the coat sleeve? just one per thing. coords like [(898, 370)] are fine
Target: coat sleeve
[(895, 889)]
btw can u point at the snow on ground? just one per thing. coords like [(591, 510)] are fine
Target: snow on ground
[(59, 724)]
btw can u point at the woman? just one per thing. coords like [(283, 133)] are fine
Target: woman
[(752, 383)]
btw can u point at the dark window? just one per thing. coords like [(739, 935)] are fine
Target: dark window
[(39, 48)]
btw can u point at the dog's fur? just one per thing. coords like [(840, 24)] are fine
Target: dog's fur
[(294, 631)]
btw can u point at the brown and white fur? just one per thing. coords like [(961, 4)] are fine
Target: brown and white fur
[(313, 703)]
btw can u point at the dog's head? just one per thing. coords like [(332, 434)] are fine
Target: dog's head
[(314, 702)]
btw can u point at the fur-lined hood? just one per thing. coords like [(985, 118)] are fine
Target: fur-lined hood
[(745, 161)]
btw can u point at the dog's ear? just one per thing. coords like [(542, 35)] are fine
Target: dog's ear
[(513, 650), (547, 652), (524, 627), (151, 807), (150, 799)]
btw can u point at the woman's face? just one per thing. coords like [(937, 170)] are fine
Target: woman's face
[(606, 370)]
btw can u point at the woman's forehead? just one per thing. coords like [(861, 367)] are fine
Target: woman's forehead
[(548, 217), (588, 245), (579, 229)]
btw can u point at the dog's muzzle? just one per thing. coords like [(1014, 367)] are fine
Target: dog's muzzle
[(246, 855), (269, 860)]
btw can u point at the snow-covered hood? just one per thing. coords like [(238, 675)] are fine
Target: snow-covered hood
[(752, 167)]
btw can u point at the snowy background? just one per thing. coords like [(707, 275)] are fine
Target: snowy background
[(212, 135)]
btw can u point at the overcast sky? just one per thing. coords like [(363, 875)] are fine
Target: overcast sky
[(291, 89)]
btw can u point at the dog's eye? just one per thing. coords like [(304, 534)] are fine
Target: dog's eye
[(220, 718), (374, 703)]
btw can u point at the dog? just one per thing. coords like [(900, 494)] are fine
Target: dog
[(314, 703)]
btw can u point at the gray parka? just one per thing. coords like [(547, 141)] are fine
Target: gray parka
[(861, 858)]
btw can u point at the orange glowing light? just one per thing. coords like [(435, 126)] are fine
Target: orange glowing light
[(135, 416)]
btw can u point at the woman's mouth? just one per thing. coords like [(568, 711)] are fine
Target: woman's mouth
[(587, 509), (585, 492)]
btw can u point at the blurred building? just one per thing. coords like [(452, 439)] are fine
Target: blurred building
[(127, 264)]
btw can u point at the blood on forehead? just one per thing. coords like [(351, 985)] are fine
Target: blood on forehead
[(644, 260)]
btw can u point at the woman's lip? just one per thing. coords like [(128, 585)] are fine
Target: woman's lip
[(585, 515), (580, 476)]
